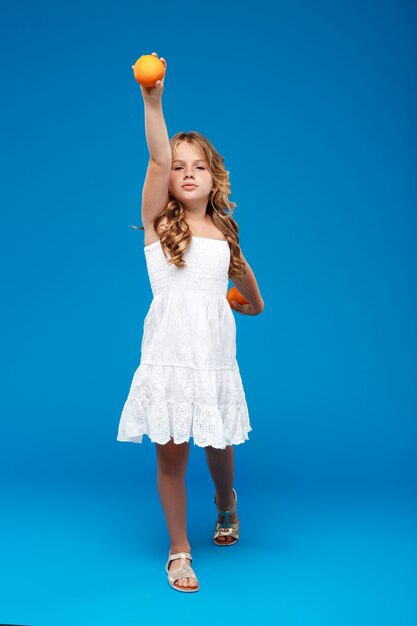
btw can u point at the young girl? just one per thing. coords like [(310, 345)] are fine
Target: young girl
[(188, 382)]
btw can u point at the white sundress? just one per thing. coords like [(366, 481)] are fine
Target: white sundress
[(188, 382)]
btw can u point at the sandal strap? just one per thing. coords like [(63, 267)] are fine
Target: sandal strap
[(232, 530), (227, 529), (185, 571), (178, 555), (182, 572), (226, 525), (230, 511)]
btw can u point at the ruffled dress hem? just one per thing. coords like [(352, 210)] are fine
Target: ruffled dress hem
[(167, 401), (183, 430), (213, 425), (215, 444)]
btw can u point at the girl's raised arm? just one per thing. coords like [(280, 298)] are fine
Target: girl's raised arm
[(155, 188)]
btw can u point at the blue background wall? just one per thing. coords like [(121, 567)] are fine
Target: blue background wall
[(313, 107)]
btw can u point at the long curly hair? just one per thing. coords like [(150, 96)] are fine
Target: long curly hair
[(176, 234)]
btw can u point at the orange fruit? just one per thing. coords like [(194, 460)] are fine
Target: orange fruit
[(148, 69), (234, 294)]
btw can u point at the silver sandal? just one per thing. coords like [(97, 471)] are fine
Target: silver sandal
[(226, 528), (185, 571)]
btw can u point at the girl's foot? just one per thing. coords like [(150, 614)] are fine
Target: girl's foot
[(220, 518), (176, 564)]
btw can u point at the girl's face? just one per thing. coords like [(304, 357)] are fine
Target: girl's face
[(189, 166)]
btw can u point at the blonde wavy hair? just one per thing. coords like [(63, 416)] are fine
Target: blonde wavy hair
[(176, 234)]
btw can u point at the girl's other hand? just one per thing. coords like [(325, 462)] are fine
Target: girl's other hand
[(153, 94), (245, 309)]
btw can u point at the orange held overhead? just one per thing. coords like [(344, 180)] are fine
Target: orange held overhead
[(148, 70)]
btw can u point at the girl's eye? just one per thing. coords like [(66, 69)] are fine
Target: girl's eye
[(198, 167)]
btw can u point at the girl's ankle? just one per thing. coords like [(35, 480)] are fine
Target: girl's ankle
[(180, 548)]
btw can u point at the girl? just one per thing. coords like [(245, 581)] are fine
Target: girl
[(188, 382)]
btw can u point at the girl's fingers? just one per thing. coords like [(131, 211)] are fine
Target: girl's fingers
[(246, 309), (160, 58)]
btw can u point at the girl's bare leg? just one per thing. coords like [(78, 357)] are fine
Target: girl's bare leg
[(172, 461), (221, 466)]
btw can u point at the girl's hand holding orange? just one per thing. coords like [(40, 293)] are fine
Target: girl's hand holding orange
[(246, 309), (149, 72), (239, 303)]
